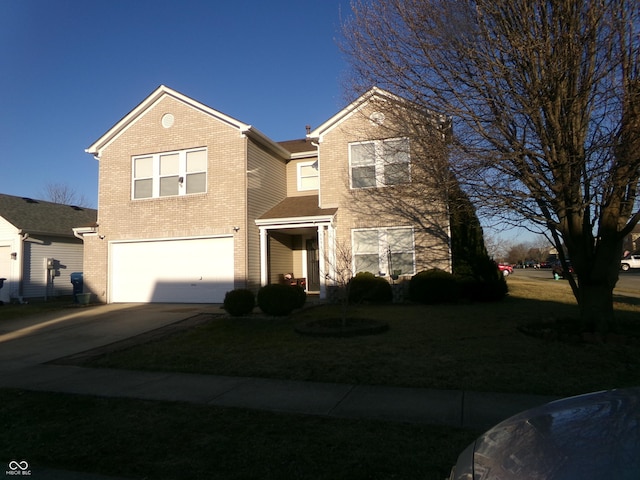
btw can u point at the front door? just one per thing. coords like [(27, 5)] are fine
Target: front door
[(313, 265)]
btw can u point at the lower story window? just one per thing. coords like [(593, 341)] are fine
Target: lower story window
[(384, 250)]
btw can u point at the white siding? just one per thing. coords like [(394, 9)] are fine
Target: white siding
[(9, 266), (67, 255)]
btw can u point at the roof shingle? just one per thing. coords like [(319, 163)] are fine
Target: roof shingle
[(39, 216), (293, 207)]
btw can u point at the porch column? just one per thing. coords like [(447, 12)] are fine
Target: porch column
[(321, 261), (263, 256)]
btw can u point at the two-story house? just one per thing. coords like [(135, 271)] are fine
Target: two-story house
[(193, 203)]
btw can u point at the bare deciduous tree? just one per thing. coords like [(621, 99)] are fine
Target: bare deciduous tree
[(545, 100), (63, 193)]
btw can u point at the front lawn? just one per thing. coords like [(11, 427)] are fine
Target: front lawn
[(167, 441), (471, 347)]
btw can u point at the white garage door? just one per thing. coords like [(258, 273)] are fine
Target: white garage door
[(172, 271)]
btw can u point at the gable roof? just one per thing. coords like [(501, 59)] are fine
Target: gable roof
[(163, 91), (351, 109), (373, 94), (41, 217)]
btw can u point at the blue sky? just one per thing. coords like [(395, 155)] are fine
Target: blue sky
[(70, 69)]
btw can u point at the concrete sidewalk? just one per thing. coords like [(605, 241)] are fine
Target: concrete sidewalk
[(27, 345), (396, 404)]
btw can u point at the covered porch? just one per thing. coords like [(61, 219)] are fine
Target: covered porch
[(296, 239)]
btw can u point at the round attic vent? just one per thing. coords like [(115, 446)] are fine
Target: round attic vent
[(377, 118), (167, 120)]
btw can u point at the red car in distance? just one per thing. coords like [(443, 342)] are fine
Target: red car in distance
[(505, 268)]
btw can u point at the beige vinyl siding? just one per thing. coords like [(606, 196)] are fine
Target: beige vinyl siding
[(281, 256), (266, 187), (292, 178)]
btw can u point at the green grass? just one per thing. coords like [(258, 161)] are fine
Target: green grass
[(472, 347), (476, 347), (165, 440), (10, 311)]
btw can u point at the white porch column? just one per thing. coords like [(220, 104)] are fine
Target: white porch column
[(321, 261), (333, 261), (263, 256)]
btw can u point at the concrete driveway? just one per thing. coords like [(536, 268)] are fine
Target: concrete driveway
[(41, 338)]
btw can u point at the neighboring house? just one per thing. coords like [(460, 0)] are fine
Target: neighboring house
[(194, 203), (38, 249), (631, 243)]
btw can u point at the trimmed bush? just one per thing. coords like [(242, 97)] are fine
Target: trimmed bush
[(301, 295), (486, 285), (434, 286), (277, 299), (365, 287), (239, 302)]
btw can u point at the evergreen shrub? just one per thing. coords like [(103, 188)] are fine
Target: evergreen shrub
[(365, 287), (239, 302), (277, 299), (434, 286), (301, 295), (487, 284)]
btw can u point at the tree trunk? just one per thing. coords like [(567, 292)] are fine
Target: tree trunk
[(596, 307)]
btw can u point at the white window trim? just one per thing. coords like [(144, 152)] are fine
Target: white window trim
[(383, 244), (379, 161), (182, 173), (299, 175)]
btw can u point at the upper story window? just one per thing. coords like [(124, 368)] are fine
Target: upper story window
[(169, 174), (308, 177), (379, 163)]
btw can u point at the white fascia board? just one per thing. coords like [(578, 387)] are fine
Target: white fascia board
[(348, 111), (81, 232), (308, 154), (130, 118), (265, 141), (374, 94), (295, 222)]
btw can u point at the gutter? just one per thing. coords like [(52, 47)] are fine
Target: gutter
[(80, 232)]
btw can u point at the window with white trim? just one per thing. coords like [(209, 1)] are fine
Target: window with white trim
[(308, 176), (379, 163), (389, 251), (169, 174)]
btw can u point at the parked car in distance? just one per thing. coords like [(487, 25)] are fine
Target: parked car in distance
[(630, 261), (558, 269), (592, 436), (505, 268)]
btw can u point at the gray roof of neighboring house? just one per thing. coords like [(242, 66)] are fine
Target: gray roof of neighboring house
[(42, 217)]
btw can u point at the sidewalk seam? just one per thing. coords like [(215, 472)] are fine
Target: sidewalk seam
[(339, 402)]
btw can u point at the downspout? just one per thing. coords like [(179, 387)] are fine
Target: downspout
[(20, 259)]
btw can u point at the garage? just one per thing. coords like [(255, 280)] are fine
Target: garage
[(196, 270)]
